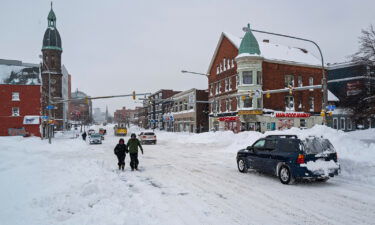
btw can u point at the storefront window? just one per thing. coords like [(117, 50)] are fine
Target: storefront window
[(335, 123), (259, 103), (342, 123), (247, 77), (302, 123), (349, 124)]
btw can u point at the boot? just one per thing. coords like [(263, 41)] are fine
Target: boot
[(119, 167), (122, 167)]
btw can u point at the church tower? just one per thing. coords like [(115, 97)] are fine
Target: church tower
[(51, 69)]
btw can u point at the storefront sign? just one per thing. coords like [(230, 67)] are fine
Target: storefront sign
[(17, 131), (292, 115), (228, 118), (31, 120), (250, 112)]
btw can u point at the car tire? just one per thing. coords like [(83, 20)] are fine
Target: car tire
[(285, 175), (322, 179), (154, 142), (241, 165)]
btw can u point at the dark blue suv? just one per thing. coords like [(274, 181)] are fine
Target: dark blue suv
[(290, 158)]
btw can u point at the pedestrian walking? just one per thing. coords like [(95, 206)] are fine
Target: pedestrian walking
[(120, 151), (133, 145), (84, 135)]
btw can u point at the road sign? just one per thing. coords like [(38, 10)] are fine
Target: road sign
[(44, 117), (331, 107), (50, 107)]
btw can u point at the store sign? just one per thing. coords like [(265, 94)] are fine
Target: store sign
[(17, 131), (292, 115), (250, 112), (228, 118), (31, 120)]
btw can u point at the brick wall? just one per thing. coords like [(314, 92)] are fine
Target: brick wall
[(274, 78), (29, 104)]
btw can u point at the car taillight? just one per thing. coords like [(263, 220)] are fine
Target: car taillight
[(154, 136), (143, 136), (301, 159)]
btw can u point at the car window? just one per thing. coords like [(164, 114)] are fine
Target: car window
[(141, 133), (150, 133), (270, 144), (259, 144), (289, 145)]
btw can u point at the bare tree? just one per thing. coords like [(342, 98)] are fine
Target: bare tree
[(364, 105)]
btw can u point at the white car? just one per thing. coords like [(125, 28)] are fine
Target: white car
[(95, 138), (147, 137)]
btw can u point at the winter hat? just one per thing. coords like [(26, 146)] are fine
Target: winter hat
[(133, 135), (121, 141)]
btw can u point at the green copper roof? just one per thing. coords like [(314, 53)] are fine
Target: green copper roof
[(52, 39), (51, 18), (249, 43)]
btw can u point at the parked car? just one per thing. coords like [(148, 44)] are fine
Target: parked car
[(91, 131), (147, 137), (290, 158), (95, 138)]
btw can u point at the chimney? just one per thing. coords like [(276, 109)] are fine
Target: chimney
[(266, 40)]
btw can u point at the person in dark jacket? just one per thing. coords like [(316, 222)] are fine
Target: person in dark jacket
[(133, 145), (84, 135), (120, 151)]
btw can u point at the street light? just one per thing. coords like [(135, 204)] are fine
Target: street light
[(203, 74), (49, 100), (324, 81)]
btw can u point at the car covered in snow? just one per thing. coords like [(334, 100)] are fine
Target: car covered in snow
[(147, 137), (90, 132), (290, 158), (95, 138)]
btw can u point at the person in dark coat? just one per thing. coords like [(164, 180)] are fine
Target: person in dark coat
[(84, 135), (120, 151), (133, 145)]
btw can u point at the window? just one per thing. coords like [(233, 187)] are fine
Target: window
[(342, 123), (289, 80), (224, 64), (217, 88), (232, 63), (15, 111), (300, 84), (211, 89), (259, 77), (259, 103), (311, 104), (219, 85), (248, 102), (335, 123), (289, 103), (217, 70), (230, 83), (238, 102), (247, 77), (311, 81), (302, 123), (226, 84), (299, 103), (349, 126), (259, 144), (227, 104), (15, 96), (218, 108), (228, 63), (237, 81)]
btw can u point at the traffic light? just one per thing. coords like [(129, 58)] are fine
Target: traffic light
[(330, 113), (243, 97), (322, 113), (268, 95), (86, 101), (133, 95)]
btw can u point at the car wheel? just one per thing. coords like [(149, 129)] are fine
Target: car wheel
[(325, 179), (285, 175), (154, 142), (241, 164)]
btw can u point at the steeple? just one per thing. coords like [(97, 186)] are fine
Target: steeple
[(249, 43), (51, 18)]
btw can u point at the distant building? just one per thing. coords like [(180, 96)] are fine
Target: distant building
[(241, 69), (80, 108), (156, 107), (124, 115), (141, 115), (20, 98), (187, 111), (361, 79), (99, 116)]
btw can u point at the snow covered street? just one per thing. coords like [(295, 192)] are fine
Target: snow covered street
[(184, 179)]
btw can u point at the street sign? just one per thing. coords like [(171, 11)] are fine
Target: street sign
[(331, 107), (50, 107), (44, 117)]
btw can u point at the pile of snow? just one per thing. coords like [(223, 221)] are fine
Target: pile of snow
[(321, 167)]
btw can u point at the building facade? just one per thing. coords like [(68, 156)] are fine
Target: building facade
[(187, 111), (20, 97), (80, 108), (124, 115), (156, 107), (360, 82), (239, 72)]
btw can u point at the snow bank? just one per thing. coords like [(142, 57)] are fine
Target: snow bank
[(321, 167)]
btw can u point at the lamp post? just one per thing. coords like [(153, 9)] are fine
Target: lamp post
[(49, 100), (324, 79)]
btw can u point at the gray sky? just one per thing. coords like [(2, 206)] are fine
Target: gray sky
[(115, 47)]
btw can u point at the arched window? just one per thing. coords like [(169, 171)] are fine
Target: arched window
[(232, 63), (228, 63), (224, 64)]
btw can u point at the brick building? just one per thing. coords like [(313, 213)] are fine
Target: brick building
[(80, 108), (241, 69), (155, 107), (20, 97), (124, 115), (187, 111)]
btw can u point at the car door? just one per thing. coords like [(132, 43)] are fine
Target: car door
[(259, 155)]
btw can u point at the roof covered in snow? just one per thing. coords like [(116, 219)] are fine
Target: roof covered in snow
[(275, 52), (332, 97), (17, 72)]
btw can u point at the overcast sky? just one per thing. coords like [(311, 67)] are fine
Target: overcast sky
[(114, 47)]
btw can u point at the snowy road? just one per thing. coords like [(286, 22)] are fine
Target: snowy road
[(195, 183)]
